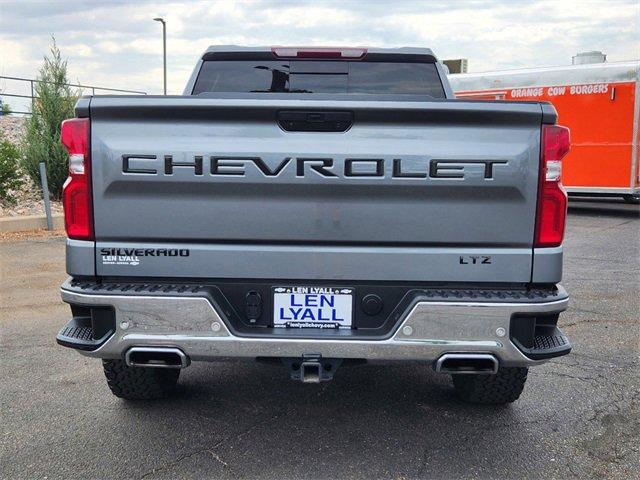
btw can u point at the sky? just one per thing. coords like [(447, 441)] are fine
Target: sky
[(117, 44)]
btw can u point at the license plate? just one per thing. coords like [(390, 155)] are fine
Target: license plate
[(312, 307)]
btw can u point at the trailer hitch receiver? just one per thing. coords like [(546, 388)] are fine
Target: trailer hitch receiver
[(312, 368)]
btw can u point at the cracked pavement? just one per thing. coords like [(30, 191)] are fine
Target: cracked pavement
[(579, 415)]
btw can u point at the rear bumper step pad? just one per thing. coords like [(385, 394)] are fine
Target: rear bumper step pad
[(79, 334), (554, 344)]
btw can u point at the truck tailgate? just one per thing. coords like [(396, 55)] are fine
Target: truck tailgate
[(410, 191)]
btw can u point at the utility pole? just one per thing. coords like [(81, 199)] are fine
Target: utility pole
[(164, 50)]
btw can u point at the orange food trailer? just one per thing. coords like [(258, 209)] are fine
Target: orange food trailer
[(600, 103)]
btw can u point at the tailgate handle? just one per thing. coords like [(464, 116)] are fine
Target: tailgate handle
[(315, 121), (316, 117)]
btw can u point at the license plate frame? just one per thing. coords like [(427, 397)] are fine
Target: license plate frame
[(312, 307)]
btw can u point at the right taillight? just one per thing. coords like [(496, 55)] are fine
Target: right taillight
[(76, 193), (552, 198)]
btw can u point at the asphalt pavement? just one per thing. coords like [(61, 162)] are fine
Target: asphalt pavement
[(579, 416)]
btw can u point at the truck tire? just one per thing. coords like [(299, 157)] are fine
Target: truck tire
[(138, 383), (632, 199), (503, 387)]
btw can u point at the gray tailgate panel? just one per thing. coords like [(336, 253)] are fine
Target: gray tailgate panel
[(326, 227)]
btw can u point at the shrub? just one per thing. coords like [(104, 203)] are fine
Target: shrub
[(10, 178), (54, 103), (6, 109)]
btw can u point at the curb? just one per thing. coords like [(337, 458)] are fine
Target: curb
[(29, 222)]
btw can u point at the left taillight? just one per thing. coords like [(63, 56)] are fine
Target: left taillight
[(76, 193), (552, 198)]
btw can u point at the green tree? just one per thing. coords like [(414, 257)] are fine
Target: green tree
[(9, 171), (54, 103)]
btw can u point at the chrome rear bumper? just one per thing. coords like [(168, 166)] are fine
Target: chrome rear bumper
[(428, 330)]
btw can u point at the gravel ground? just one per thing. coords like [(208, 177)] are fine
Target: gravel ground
[(28, 199), (579, 416), (12, 128)]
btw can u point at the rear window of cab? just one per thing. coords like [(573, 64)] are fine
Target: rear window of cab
[(340, 77)]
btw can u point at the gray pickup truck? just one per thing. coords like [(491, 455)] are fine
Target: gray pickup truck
[(318, 207)]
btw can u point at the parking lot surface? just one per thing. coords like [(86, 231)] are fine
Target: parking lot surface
[(579, 415)]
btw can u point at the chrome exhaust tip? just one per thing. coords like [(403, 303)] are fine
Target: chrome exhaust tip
[(156, 357), (467, 363)]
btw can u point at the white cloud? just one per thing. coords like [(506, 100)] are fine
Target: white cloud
[(109, 46), (81, 50)]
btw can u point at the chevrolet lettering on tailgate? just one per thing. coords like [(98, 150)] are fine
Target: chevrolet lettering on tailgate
[(351, 167)]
